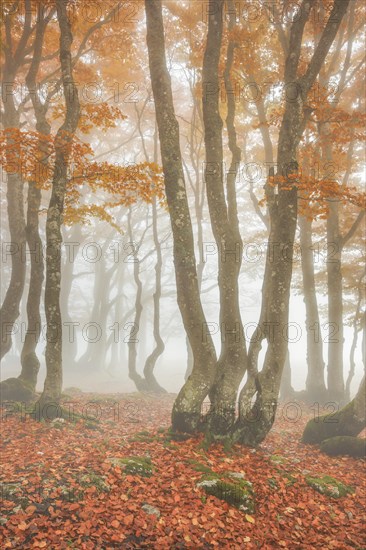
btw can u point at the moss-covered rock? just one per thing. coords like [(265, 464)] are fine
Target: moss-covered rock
[(238, 492), (14, 389), (344, 445), (327, 485), (134, 465), (344, 422)]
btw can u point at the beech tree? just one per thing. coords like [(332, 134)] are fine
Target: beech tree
[(53, 383), (186, 415)]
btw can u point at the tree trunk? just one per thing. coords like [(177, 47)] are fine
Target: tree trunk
[(70, 341), (150, 362), (315, 384), (29, 360), (53, 383), (256, 420), (9, 311), (225, 226), (335, 305), (352, 363), (186, 414), (286, 389)]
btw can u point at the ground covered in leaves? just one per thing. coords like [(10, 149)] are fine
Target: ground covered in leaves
[(126, 482)]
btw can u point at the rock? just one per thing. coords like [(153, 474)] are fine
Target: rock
[(134, 465), (151, 510), (327, 485), (344, 445), (236, 475), (238, 493), (14, 389)]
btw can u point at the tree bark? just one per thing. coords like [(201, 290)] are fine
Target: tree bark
[(255, 421), (9, 311), (225, 226), (29, 360), (53, 383), (315, 383), (151, 360), (186, 414)]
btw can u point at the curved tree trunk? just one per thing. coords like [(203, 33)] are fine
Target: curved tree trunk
[(150, 363), (53, 383), (186, 414)]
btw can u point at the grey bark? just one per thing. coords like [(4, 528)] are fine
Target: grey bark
[(9, 311), (186, 414), (53, 383), (256, 420), (225, 226), (315, 383)]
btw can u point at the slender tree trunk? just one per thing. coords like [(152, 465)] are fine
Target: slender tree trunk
[(70, 341), (315, 384), (29, 360), (256, 420), (335, 305), (53, 383), (152, 383), (186, 414), (139, 381), (355, 338), (286, 389), (9, 311), (225, 226), (150, 363)]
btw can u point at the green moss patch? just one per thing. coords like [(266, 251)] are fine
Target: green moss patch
[(236, 492), (329, 486), (199, 467), (134, 465)]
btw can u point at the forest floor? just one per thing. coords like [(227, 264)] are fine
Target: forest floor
[(65, 486)]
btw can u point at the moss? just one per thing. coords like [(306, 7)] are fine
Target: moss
[(290, 478), (143, 436), (207, 441), (199, 467), (238, 493), (278, 459), (272, 483), (91, 479), (329, 486), (173, 435), (344, 445), (134, 465)]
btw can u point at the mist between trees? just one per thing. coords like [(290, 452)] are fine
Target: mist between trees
[(199, 206)]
